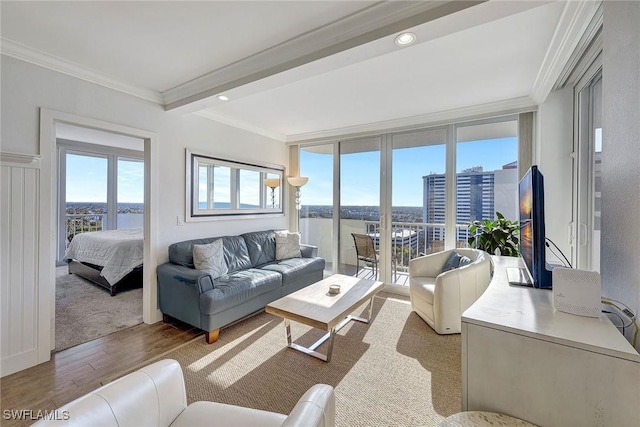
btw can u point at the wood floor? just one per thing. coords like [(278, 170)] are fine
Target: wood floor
[(74, 372)]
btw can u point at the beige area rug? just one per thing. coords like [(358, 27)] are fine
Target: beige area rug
[(394, 372), (85, 311)]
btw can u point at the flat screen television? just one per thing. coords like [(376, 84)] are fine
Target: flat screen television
[(532, 233)]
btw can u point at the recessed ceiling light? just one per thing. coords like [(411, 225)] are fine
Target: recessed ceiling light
[(405, 39), (223, 98)]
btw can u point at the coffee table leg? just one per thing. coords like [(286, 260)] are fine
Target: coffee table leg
[(311, 351), (359, 319), (287, 330)]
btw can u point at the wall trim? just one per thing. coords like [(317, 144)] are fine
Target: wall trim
[(575, 18), (20, 160), (51, 62), (508, 106), (240, 124)]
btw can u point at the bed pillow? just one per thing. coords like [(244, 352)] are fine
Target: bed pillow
[(210, 258), (287, 245)]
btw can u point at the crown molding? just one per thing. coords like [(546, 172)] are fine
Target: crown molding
[(51, 62), (19, 159), (240, 124), (475, 112), (575, 19), (377, 21)]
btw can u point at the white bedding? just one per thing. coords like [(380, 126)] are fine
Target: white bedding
[(117, 251)]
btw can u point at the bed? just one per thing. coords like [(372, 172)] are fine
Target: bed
[(112, 259)]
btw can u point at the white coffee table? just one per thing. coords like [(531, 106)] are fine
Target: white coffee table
[(315, 306)]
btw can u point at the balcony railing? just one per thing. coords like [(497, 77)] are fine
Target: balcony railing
[(82, 223), (410, 240)]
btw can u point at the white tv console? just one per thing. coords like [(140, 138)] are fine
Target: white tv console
[(522, 358)]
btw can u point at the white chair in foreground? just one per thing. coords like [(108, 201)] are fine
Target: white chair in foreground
[(155, 396), (440, 298)]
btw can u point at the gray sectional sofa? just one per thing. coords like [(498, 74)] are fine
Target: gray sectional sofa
[(255, 278)]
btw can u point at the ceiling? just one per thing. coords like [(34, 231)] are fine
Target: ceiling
[(301, 69)]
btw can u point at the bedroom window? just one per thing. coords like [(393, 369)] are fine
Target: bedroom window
[(130, 193), (100, 188)]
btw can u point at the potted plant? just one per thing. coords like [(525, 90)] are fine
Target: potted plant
[(499, 237)]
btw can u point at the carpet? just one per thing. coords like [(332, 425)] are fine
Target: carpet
[(85, 311), (395, 371)]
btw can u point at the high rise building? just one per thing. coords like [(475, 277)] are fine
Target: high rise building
[(479, 194)]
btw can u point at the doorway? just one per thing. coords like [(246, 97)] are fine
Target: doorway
[(100, 229), (48, 220)]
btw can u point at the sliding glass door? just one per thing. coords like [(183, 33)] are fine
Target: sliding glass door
[(418, 202), (317, 200), (359, 207), (373, 204)]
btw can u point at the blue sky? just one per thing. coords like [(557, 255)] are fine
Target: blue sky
[(87, 180), (360, 172)]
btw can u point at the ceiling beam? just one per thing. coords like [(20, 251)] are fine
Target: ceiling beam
[(379, 20)]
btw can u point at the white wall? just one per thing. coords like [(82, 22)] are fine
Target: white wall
[(620, 267), (26, 88), (552, 154)]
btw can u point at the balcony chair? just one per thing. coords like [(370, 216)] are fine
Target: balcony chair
[(365, 251), (440, 297)]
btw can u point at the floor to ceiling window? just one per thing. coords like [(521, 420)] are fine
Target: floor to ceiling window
[(486, 173), (359, 200), (316, 214), (418, 165), (408, 193)]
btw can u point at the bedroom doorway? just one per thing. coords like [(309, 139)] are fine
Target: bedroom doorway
[(100, 232)]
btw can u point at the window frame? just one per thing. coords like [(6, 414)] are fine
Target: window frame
[(193, 211)]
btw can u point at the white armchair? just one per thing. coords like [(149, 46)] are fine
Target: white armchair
[(155, 396), (441, 298)]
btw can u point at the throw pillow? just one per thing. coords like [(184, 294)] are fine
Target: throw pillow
[(210, 258), (287, 245), (464, 260), (452, 263)]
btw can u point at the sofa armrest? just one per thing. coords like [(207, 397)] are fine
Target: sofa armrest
[(316, 408), (179, 290), (154, 395), (308, 251), (169, 273)]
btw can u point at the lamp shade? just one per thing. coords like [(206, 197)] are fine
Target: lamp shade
[(298, 181), (272, 182)]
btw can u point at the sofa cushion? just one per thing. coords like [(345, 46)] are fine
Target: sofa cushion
[(293, 269), (238, 287), (287, 245), (236, 253), (181, 253), (261, 246), (210, 258)]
